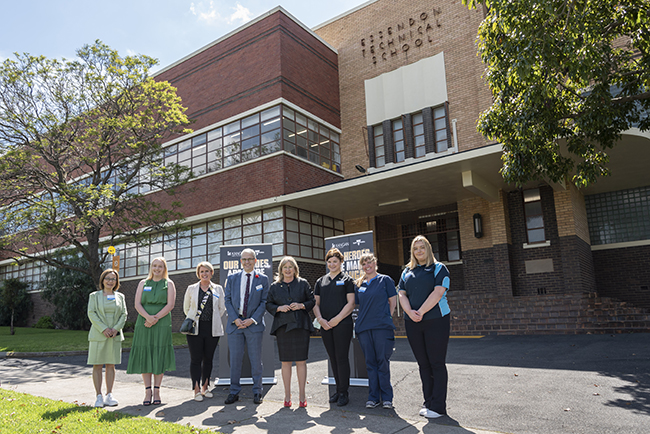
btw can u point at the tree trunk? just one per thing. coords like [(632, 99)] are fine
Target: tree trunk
[(11, 327)]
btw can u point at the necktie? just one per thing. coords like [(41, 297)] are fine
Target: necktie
[(248, 291)]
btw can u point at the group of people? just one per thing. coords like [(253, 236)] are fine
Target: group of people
[(289, 298)]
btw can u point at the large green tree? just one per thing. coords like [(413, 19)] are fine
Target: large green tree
[(80, 144), (567, 77)]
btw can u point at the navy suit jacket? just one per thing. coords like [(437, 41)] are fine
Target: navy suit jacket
[(256, 300)]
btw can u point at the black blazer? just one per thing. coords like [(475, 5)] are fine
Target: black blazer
[(280, 293)]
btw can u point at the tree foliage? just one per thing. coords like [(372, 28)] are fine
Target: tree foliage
[(567, 77), (15, 303), (81, 146), (67, 289)]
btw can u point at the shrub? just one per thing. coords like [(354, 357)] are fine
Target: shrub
[(68, 291), (14, 300), (129, 326), (44, 322)]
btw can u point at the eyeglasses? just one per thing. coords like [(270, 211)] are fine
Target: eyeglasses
[(110, 279), (248, 259)]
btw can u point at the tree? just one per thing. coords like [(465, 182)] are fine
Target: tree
[(67, 289), (15, 302), (567, 77), (80, 145)]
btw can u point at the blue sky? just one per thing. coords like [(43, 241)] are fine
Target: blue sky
[(165, 29)]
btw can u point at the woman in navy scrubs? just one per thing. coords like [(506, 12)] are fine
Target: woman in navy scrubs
[(377, 298), (422, 294)]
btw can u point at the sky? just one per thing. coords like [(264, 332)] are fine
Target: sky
[(167, 30)]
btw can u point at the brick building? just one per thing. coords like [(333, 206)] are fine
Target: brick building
[(368, 122)]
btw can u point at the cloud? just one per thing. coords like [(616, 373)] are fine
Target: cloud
[(205, 13), (241, 13)]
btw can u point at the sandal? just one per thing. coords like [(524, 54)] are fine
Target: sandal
[(156, 401), (146, 403)]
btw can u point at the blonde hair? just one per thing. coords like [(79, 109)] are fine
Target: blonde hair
[(103, 276), (161, 259), (204, 264), (283, 262), (366, 257), (427, 248)]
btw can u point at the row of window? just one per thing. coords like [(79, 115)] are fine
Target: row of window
[(392, 141)]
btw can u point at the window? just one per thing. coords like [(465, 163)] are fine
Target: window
[(418, 135), (380, 148), (440, 128), (256, 135), (534, 216), (619, 216), (398, 140), (433, 120)]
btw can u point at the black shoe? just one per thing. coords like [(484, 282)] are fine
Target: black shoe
[(334, 398), (257, 398), (231, 398), (343, 400)]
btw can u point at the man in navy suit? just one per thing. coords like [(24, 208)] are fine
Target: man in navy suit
[(246, 293)]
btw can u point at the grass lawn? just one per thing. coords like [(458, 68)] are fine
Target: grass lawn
[(37, 340), (21, 413)]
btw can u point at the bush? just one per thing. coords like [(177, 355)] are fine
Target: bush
[(68, 291), (44, 322), (129, 326), (14, 296)]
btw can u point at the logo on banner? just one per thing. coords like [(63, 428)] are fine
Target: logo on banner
[(358, 242)]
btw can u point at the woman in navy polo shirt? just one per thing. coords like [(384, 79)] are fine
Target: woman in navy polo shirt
[(422, 294), (377, 298)]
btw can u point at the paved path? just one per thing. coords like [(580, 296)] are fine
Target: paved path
[(498, 384)]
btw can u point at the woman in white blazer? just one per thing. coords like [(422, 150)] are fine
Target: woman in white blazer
[(107, 313), (204, 303)]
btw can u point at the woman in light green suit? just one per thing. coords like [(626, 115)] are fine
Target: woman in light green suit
[(107, 313)]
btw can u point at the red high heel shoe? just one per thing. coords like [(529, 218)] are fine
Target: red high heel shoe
[(287, 403), (303, 404)]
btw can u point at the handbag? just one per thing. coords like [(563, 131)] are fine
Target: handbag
[(189, 325)]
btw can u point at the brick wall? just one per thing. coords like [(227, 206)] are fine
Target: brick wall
[(273, 58), (624, 274), (447, 27)]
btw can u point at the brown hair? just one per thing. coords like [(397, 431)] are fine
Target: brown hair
[(334, 253), (103, 276)]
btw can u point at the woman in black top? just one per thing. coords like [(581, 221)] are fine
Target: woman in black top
[(334, 293), (289, 301)]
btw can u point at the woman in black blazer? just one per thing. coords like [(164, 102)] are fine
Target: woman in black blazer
[(289, 301)]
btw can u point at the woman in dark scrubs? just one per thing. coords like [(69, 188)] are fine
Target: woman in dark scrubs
[(334, 293)]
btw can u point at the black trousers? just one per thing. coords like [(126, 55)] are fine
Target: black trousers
[(201, 349), (337, 344), (429, 340)]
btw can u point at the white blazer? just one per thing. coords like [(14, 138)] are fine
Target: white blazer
[(191, 303)]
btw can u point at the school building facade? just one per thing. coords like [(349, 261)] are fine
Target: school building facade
[(367, 122)]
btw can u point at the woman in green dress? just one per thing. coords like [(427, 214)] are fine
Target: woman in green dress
[(152, 352), (107, 313)]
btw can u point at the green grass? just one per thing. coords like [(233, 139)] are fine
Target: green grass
[(38, 340), (22, 413)]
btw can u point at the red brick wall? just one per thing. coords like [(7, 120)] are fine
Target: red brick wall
[(270, 59)]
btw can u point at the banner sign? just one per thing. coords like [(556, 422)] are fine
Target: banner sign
[(231, 263), (352, 246)]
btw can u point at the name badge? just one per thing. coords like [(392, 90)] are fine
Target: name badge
[(147, 288), (362, 289), (259, 288), (110, 297), (340, 282)]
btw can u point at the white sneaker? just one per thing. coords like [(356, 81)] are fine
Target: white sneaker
[(423, 411), (430, 414), (100, 401), (109, 400)]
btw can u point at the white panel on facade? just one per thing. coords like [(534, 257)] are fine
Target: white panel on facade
[(406, 90)]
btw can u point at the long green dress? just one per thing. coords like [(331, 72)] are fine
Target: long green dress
[(152, 350)]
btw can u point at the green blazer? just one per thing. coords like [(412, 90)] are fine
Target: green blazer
[(100, 321)]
